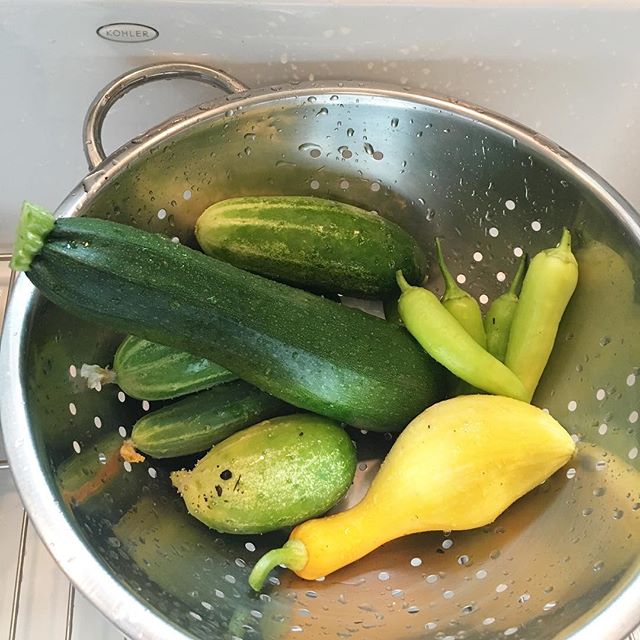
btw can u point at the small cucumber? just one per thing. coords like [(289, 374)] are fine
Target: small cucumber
[(198, 422), (275, 474), (150, 371), (311, 243)]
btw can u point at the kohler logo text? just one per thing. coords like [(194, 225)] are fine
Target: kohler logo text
[(127, 32)]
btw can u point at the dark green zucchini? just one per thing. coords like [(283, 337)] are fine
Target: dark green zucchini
[(151, 371), (309, 351), (197, 422), (316, 244)]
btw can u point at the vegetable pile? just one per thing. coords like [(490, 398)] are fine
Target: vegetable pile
[(266, 369)]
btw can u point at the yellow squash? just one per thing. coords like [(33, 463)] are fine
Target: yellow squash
[(458, 465)]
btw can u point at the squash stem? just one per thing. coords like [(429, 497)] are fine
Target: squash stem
[(35, 225), (292, 555)]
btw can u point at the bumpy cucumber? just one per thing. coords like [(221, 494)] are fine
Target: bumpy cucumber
[(312, 243), (151, 371), (309, 351), (196, 423), (272, 475)]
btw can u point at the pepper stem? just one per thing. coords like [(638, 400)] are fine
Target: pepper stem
[(519, 277), (451, 288), (35, 225), (565, 240), (402, 282), (293, 555), (97, 376)]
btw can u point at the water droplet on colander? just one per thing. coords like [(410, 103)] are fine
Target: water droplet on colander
[(617, 514), (368, 147), (394, 122), (312, 99), (599, 491), (322, 112), (309, 147), (350, 132), (604, 341)]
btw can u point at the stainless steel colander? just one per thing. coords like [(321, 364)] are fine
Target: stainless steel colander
[(563, 562)]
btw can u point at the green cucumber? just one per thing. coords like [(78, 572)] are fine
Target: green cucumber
[(272, 475), (306, 350), (199, 421), (150, 371), (311, 243)]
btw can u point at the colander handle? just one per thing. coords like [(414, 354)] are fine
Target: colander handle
[(92, 128)]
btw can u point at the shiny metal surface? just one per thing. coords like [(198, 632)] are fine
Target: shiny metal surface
[(27, 573), (562, 563), (92, 130)]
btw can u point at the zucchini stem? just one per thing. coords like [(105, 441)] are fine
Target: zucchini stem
[(35, 225), (293, 555)]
